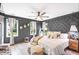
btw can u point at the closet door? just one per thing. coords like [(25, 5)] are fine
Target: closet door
[(0, 33)]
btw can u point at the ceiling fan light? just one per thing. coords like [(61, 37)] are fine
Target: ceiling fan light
[(39, 19)]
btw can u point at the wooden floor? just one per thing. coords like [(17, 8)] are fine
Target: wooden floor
[(22, 49), (70, 52)]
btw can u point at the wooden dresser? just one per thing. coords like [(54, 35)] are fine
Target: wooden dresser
[(74, 44)]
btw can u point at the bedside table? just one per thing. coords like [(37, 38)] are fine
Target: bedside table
[(69, 51), (74, 44)]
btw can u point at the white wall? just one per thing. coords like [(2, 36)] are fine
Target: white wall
[(1, 29), (52, 9)]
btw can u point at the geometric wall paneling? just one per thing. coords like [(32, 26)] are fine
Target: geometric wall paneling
[(63, 23)]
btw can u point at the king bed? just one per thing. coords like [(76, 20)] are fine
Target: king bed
[(54, 44), (51, 46)]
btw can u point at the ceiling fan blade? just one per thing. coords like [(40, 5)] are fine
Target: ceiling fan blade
[(34, 12), (43, 13), (41, 18), (31, 16), (45, 16), (36, 17)]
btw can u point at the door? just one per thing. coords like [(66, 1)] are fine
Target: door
[(0, 33)]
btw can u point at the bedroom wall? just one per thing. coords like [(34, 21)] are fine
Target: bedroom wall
[(63, 23), (22, 32)]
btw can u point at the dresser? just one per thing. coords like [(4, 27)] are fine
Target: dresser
[(74, 44)]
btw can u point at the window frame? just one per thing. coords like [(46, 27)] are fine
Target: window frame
[(33, 26), (9, 27)]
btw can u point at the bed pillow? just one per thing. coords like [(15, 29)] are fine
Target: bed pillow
[(64, 36), (55, 35)]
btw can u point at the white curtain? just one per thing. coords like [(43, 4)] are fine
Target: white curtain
[(11, 31)]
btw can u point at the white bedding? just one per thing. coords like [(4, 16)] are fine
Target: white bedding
[(53, 46)]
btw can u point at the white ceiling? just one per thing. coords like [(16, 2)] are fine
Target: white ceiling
[(52, 9)]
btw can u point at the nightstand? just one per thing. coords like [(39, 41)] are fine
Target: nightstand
[(74, 44)]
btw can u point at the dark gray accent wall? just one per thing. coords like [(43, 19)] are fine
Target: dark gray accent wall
[(22, 32), (6, 40), (63, 23)]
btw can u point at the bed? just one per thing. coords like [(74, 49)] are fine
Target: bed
[(53, 46)]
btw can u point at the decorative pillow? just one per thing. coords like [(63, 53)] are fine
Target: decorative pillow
[(54, 35), (35, 40), (48, 34), (57, 35), (32, 39)]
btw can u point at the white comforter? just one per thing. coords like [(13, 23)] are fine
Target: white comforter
[(53, 46)]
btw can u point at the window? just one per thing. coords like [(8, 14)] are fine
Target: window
[(32, 28), (11, 24), (45, 29)]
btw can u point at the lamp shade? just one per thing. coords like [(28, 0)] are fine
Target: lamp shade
[(73, 28)]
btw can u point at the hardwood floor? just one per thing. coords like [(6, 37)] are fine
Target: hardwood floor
[(21, 49)]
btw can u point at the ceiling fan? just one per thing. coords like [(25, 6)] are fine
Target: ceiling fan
[(40, 15)]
